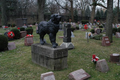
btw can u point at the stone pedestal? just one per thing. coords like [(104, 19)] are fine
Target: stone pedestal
[(51, 58), (115, 58), (23, 34), (102, 66), (78, 75), (28, 40)]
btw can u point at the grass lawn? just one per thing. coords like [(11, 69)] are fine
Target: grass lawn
[(17, 64)]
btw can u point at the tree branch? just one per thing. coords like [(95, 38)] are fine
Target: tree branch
[(62, 6), (99, 4)]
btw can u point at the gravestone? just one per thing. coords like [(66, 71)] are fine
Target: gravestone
[(105, 41), (28, 40), (102, 66), (67, 37), (48, 57), (11, 46), (47, 76), (23, 34), (79, 75), (117, 35), (21, 21), (115, 58)]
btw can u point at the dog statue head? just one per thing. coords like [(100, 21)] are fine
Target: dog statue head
[(55, 18)]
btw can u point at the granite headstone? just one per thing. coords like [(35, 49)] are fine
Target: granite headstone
[(78, 75), (102, 66), (48, 76)]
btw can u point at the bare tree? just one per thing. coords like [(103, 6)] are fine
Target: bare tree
[(109, 19), (94, 4), (71, 7)]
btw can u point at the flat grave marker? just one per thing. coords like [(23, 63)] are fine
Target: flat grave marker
[(78, 75), (11, 46), (47, 76)]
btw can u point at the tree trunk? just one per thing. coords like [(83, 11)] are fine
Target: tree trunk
[(41, 6), (109, 19), (93, 12), (4, 13), (72, 15)]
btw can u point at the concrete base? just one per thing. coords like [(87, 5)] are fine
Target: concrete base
[(51, 58), (68, 45)]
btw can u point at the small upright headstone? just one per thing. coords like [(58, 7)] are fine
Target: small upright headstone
[(102, 66), (117, 35), (78, 75), (105, 41), (11, 46), (28, 40), (47, 76)]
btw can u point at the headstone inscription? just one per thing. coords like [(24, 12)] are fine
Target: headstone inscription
[(117, 35), (48, 76), (79, 75), (11, 46), (67, 37), (105, 41), (102, 65)]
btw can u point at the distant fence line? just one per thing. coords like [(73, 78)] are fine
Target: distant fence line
[(34, 18)]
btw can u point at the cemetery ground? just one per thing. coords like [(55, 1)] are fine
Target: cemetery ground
[(17, 64)]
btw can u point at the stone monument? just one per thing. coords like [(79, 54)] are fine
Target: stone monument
[(21, 21), (67, 37)]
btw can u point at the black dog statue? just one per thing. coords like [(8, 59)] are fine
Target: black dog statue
[(51, 28)]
